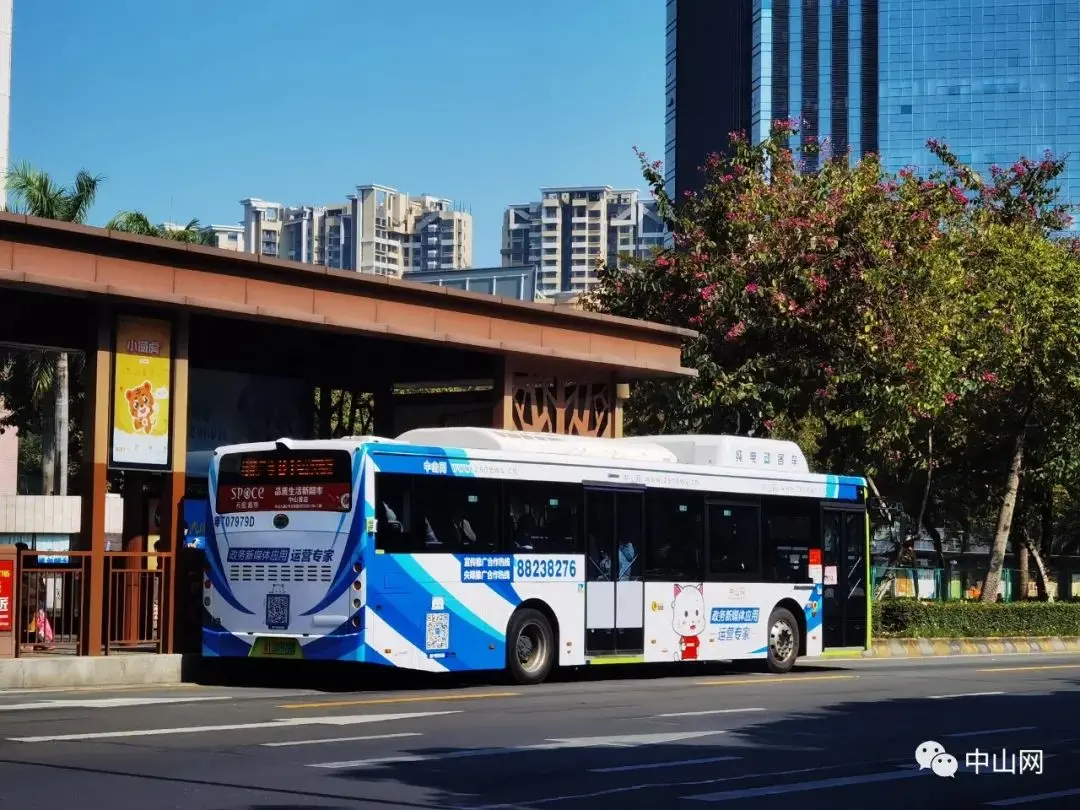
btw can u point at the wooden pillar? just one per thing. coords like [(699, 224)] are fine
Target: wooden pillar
[(502, 416), (172, 495), (622, 393), (94, 469)]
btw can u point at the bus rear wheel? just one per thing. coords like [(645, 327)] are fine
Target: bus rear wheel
[(530, 647), (783, 641)]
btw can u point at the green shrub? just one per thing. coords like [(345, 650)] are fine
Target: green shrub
[(911, 618)]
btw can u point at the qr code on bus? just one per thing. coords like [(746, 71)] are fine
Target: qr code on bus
[(438, 631), (277, 611)]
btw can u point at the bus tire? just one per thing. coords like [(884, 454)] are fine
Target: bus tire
[(783, 647), (530, 647)]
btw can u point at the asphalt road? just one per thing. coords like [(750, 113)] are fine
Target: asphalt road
[(831, 737)]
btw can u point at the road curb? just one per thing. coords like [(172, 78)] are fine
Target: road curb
[(113, 670), (945, 647)]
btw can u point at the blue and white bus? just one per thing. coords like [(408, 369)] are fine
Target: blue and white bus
[(457, 549)]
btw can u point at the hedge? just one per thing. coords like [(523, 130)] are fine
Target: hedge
[(911, 618)]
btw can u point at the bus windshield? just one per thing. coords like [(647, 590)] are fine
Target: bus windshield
[(285, 480)]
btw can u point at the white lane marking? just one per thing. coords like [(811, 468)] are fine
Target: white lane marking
[(1037, 797), (708, 711), (992, 731), (802, 787), (332, 720), (669, 786), (964, 695), (624, 741), (341, 739), (105, 703), (649, 766)]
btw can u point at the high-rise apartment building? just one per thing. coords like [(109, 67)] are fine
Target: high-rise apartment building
[(993, 80), (378, 230), (397, 233), (570, 230)]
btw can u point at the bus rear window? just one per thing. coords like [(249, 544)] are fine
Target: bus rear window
[(285, 481)]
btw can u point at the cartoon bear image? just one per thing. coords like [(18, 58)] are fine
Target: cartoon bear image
[(141, 407), (688, 620)]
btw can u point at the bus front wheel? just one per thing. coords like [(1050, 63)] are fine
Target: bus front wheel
[(783, 641), (530, 647)]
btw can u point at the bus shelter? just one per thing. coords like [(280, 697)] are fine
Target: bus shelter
[(173, 335)]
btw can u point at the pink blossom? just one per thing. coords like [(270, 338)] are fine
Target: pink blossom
[(820, 283), (910, 365), (950, 398), (989, 376), (663, 261), (751, 288), (708, 292), (768, 423), (958, 195), (736, 331)]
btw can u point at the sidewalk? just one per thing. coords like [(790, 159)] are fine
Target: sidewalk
[(939, 647)]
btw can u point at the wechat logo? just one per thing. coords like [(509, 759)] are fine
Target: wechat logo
[(933, 755)]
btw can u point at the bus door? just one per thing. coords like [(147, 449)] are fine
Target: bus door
[(614, 582), (844, 576)]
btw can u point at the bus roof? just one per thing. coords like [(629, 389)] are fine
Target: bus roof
[(724, 454)]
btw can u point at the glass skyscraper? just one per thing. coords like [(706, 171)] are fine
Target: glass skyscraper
[(993, 79)]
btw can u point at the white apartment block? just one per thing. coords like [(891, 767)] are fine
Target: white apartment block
[(570, 230), (379, 230), (226, 237)]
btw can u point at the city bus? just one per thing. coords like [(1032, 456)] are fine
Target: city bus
[(461, 549)]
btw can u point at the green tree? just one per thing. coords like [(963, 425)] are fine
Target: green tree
[(136, 222), (1023, 301), (43, 377), (826, 304)]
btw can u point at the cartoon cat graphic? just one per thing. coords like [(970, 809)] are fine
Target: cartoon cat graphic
[(688, 620), (141, 406)]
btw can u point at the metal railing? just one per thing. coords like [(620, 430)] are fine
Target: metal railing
[(51, 614), (955, 584)]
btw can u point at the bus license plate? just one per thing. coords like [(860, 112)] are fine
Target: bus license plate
[(276, 648)]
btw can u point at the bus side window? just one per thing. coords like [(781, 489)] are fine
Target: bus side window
[(543, 518), (393, 510), (790, 529), (734, 541), (457, 515), (675, 549)]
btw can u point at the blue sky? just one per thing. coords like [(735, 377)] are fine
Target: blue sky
[(188, 107)]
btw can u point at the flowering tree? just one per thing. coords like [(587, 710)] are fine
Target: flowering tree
[(826, 304)]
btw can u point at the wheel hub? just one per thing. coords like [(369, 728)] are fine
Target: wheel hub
[(530, 647), (782, 640)]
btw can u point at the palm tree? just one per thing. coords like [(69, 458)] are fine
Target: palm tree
[(138, 223), (35, 193)]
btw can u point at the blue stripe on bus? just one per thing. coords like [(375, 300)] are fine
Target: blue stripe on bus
[(420, 579), (842, 487), (340, 644), (345, 575), (473, 643)]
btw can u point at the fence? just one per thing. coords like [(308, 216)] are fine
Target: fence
[(949, 584), (49, 608)]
